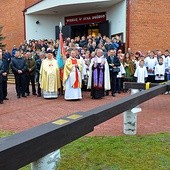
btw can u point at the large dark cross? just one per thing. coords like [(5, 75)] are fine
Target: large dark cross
[(28, 146), (145, 86)]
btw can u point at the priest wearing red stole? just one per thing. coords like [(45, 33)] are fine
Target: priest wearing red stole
[(72, 78)]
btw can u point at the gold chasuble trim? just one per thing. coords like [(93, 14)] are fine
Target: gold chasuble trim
[(51, 82)]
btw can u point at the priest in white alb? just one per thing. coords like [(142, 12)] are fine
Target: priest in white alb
[(72, 78)]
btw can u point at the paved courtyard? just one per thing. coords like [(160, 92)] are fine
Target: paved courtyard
[(20, 114)]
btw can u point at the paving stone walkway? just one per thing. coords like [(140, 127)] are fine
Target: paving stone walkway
[(20, 114)]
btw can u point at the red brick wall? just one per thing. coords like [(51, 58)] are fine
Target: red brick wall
[(30, 2), (13, 22), (149, 25)]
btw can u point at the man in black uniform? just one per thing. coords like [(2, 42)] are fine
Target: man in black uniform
[(19, 68)]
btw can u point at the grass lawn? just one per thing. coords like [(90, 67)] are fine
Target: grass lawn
[(149, 152)]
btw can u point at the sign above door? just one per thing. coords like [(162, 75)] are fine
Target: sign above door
[(86, 18)]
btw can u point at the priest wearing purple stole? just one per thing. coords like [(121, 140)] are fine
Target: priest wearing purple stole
[(99, 77)]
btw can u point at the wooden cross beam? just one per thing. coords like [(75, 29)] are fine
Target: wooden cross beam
[(134, 85), (28, 146)]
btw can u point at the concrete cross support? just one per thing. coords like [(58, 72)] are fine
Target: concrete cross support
[(50, 162), (130, 118)]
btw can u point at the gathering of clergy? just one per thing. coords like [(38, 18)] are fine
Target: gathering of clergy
[(95, 64)]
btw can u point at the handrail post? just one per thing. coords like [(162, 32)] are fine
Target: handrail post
[(50, 161), (130, 118)]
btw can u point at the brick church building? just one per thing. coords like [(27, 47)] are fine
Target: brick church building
[(142, 24)]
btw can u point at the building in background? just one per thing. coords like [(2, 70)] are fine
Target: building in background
[(142, 24)]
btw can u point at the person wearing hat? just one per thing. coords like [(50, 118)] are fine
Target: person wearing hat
[(49, 76)]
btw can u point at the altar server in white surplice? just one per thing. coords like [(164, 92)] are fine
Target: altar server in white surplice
[(141, 72), (160, 71)]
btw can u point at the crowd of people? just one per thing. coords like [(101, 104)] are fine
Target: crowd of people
[(95, 63)]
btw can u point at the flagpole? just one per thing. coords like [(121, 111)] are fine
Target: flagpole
[(60, 60), (60, 52), (60, 27)]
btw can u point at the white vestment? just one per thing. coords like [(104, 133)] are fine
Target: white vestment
[(106, 72), (141, 74)]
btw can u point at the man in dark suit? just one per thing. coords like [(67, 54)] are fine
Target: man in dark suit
[(30, 73), (114, 64), (5, 77), (37, 71), (19, 69)]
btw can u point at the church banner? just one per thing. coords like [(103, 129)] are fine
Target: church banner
[(85, 19)]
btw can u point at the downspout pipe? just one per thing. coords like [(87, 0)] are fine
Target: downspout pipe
[(24, 26), (128, 23)]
